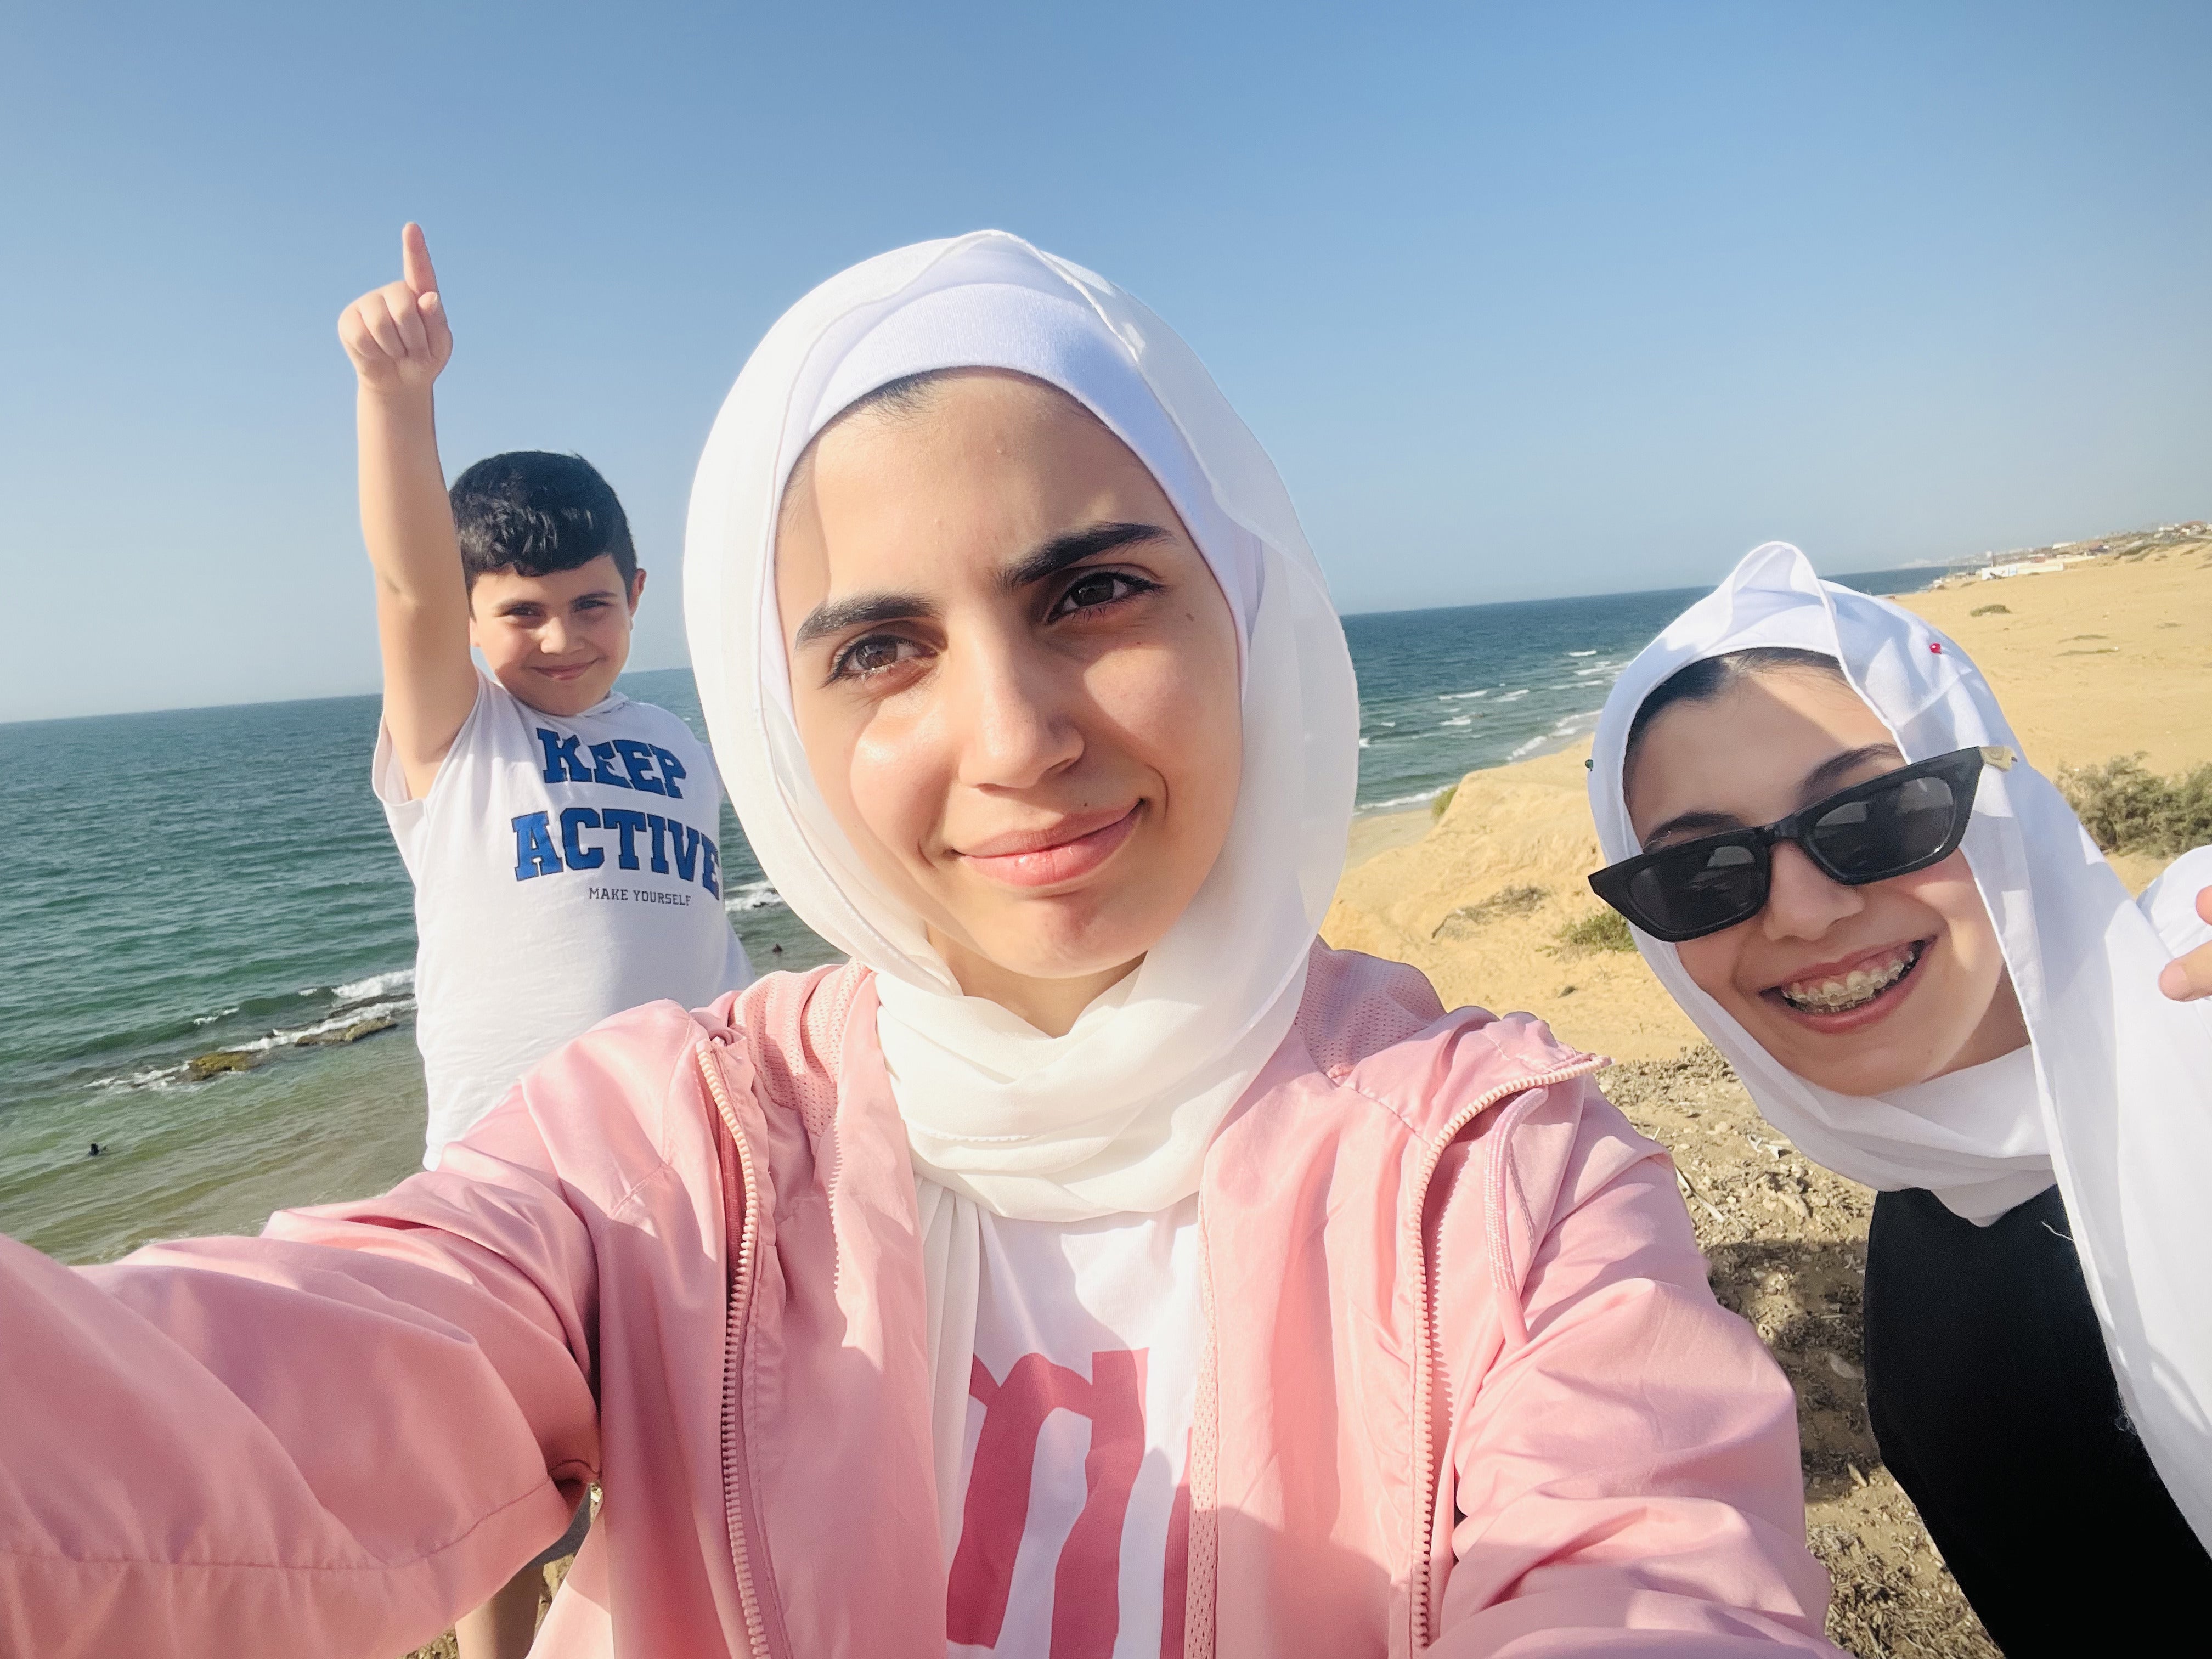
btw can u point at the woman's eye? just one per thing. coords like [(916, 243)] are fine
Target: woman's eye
[(1099, 587), (872, 656)]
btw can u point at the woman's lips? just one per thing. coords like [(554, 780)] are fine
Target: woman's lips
[(1048, 858)]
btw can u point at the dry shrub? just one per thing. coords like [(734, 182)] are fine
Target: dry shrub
[(2129, 809), (1606, 931)]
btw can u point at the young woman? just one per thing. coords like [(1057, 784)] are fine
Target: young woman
[(1096, 1266), (1835, 860)]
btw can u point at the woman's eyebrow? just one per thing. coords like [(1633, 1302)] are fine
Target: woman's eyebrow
[(1703, 822), (1832, 770), (1072, 548), (836, 616)]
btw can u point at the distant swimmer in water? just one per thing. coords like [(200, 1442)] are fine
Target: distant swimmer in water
[(95, 1152)]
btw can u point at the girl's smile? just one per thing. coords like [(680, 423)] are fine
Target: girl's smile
[(1059, 856), (1858, 989)]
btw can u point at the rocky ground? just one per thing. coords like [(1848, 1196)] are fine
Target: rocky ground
[(1787, 1244)]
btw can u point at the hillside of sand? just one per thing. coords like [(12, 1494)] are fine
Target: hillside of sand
[(2097, 660), (2102, 660)]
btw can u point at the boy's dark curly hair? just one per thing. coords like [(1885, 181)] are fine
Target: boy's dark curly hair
[(535, 512)]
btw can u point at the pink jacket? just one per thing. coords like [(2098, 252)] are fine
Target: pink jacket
[(1466, 1392)]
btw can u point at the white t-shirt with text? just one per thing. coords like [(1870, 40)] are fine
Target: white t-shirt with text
[(1074, 1510), (566, 867)]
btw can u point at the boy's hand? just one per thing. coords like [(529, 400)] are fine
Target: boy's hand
[(397, 335)]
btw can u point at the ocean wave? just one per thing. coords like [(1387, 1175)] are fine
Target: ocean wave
[(1582, 654), (1400, 800), (1515, 696), (753, 895), (376, 984), (1464, 719), (1563, 731), (220, 1013), (337, 1022), (164, 1076), (1461, 696)]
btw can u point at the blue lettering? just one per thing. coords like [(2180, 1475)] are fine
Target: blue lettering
[(687, 842), (581, 856), (562, 765), (671, 770), (534, 848), (658, 826), (604, 772), (628, 823), (637, 761), (706, 868)]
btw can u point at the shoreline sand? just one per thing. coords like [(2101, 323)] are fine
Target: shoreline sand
[(2100, 660)]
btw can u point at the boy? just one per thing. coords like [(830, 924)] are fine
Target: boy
[(562, 837)]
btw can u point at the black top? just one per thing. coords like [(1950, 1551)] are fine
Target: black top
[(1993, 1401)]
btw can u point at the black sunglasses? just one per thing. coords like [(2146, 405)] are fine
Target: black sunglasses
[(1891, 825)]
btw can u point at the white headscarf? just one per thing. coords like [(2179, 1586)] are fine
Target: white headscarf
[(2121, 1113), (1115, 1116)]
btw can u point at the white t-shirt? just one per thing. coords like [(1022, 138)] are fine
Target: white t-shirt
[(1074, 1514), (566, 867)]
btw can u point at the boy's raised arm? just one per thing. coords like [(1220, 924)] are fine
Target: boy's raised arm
[(399, 340)]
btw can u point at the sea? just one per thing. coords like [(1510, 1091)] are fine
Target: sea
[(208, 936)]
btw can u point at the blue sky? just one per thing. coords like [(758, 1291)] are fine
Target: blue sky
[(1526, 301)]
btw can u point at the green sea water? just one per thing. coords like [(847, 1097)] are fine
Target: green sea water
[(220, 881)]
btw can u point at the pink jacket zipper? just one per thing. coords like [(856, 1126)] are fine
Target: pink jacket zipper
[(741, 1286), (1425, 1439)]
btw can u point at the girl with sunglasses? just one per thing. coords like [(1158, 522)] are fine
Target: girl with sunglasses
[(1095, 1264), (1835, 860)]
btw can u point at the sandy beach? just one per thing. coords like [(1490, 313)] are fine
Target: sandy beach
[(2095, 661)]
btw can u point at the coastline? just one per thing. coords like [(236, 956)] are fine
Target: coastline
[(2091, 662)]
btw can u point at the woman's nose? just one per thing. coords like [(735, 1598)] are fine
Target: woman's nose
[(1018, 728), (1802, 902)]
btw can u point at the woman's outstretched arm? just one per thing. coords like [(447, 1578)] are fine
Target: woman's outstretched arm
[(1623, 1452), (328, 1440)]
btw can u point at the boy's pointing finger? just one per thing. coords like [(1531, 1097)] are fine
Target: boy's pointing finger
[(415, 267)]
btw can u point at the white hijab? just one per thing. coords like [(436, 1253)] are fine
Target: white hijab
[(1115, 1116), (2121, 1110)]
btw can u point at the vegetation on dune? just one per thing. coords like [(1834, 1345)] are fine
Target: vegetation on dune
[(2129, 809), (1443, 800), (1606, 931)]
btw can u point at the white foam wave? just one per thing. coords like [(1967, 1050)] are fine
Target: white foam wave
[(220, 1013), (1400, 800), (158, 1077), (1461, 696), (1464, 719), (1515, 696), (337, 1022), (376, 984), (1582, 654), (164, 1076), (753, 895), (1563, 731)]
